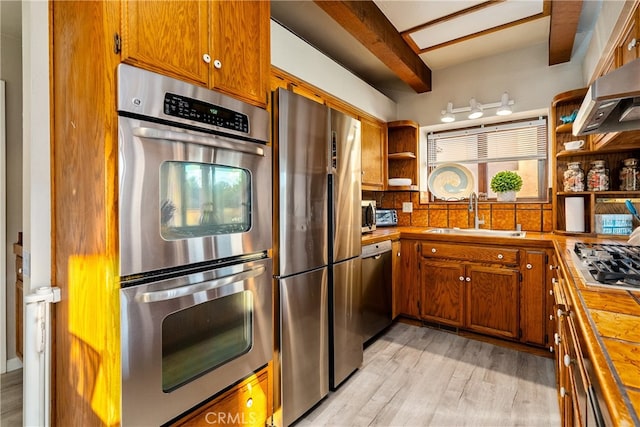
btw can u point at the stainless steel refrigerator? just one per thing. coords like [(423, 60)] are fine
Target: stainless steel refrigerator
[(317, 249)]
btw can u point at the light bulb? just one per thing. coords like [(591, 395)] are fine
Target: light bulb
[(476, 109), (447, 116), (504, 109)]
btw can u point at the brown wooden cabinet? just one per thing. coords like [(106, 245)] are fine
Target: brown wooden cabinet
[(406, 293), (595, 202), (248, 403), (396, 277), (442, 285), (223, 45), (490, 289), (402, 153), (629, 47), (473, 287), (374, 159), (535, 297)]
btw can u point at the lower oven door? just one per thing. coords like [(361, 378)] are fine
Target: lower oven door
[(185, 339)]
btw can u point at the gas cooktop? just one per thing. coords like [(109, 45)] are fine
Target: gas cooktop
[(609, 265)]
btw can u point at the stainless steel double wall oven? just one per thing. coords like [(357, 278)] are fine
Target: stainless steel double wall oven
[(195, 200)]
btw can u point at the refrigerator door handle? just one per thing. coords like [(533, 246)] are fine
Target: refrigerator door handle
[(334, 152)]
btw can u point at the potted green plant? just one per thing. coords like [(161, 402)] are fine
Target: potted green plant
[(505, 184)]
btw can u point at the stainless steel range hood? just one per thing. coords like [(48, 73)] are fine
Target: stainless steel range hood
[(612, 102)]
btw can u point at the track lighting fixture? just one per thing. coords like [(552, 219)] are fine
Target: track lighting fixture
[(476, 110)]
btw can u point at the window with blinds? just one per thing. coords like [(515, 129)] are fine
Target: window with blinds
[(516, 146)]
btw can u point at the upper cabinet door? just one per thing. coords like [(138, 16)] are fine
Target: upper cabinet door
[(240, 52), (170, 37), (374, 154)]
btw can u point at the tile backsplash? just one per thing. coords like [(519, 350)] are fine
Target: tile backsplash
[(535, 217)]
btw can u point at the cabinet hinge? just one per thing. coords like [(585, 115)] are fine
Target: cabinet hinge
[(521, 277), (117, 43), (546, 338), (519, 333)]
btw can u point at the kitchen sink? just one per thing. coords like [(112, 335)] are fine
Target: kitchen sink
[(478, 232)]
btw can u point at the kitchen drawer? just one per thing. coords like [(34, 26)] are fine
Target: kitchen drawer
[(470, 253), (247, 404)]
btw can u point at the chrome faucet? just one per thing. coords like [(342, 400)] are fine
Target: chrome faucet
[(473, 207)]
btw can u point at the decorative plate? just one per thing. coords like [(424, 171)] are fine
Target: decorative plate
[(451, 181)]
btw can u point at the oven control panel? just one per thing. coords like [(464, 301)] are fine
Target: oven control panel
[(204, 112)]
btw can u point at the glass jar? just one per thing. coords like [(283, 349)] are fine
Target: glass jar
[(631, 173), (573, 179), (598, 176)]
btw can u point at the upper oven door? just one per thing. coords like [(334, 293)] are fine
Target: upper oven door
[(187, 197)]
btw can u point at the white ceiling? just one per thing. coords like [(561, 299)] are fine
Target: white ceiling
[(458, 33)]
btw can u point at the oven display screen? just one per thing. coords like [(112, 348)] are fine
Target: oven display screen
[(204, 112)]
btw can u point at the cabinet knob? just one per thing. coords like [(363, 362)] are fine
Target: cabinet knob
[(556, 338), (563, 392), (566, 359), (433, 250), (551, 292), (462, 278), (529, 266), (249, 402), (468, 279), (551, 317), (20, 270), (560, 313), (500, 256), (217, 64), (398, 254), (551, 349), (554, 280), (632, 44), (553, 267), (206, 58)]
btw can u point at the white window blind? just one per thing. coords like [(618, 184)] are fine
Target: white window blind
[(498, 143)]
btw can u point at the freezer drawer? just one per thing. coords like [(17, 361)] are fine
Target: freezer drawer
[(346, 339), (304, 342)]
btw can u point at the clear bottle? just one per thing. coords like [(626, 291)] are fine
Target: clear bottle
[(631, 175), (598, 176), (573, 179)]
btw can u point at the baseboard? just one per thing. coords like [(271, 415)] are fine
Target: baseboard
[(13, 364)]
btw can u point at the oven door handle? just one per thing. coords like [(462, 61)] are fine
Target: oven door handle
[(217, 142), (182, 291)]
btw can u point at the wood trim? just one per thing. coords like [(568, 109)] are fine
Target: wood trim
[(562, 29), (364, 21)]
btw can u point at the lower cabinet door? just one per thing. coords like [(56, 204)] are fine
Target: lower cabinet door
[(442, 284), (492, 297)]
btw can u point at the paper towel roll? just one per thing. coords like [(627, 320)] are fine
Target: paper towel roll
[(574, 213)]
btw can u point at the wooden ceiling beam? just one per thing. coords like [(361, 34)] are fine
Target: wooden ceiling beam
[(364, 21), (565, 15)]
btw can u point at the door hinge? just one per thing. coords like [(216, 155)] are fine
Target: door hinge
[(117, 43)]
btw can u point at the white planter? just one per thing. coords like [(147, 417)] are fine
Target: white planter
[(507, 196)]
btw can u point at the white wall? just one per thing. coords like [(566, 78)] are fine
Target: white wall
[(11, 72), (524, 73), (295, 56)]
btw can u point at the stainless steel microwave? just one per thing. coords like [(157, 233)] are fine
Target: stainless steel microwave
[(368, 215)]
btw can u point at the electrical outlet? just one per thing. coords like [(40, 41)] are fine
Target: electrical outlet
[(407, 207)]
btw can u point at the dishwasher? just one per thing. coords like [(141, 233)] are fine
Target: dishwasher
[(376, 288)]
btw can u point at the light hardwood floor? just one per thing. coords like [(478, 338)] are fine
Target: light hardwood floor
[(11, 399), (418, 376)]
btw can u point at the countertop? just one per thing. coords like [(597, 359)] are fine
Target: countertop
[(609, 319)]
